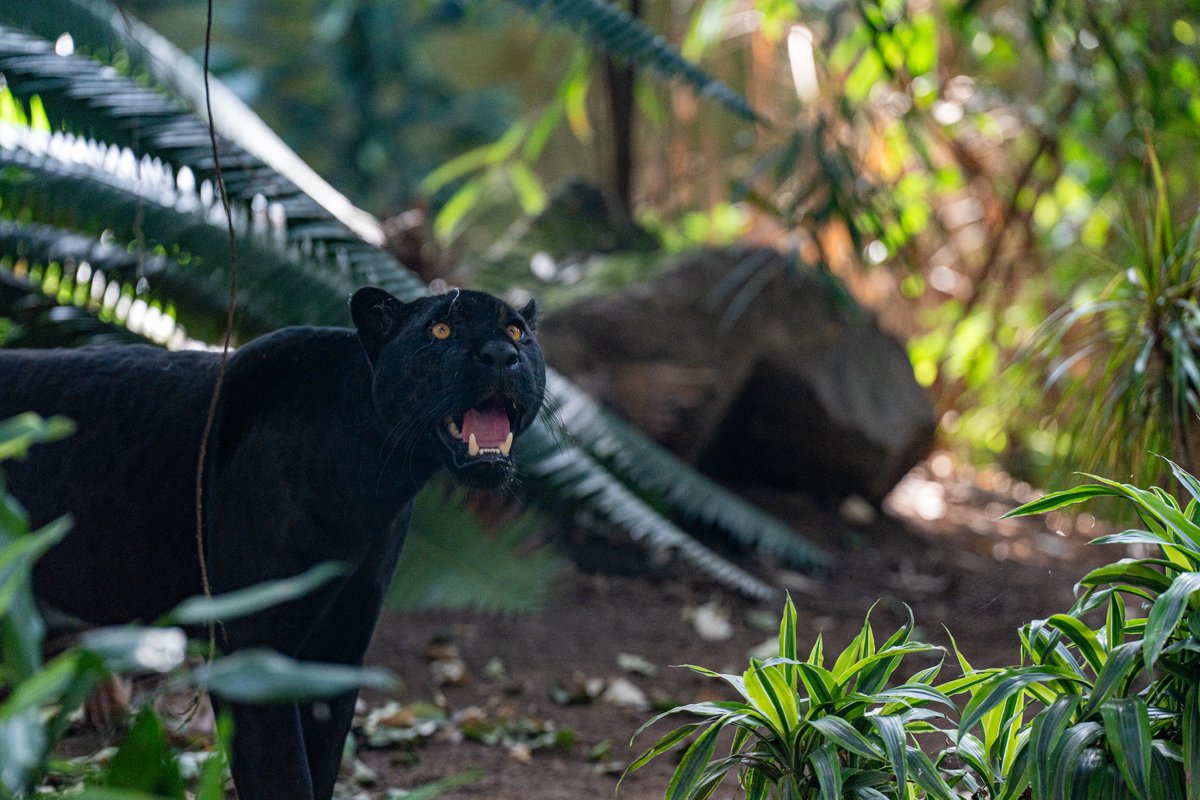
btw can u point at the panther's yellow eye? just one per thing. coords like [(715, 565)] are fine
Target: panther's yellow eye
[(515, 333), (440, 330)]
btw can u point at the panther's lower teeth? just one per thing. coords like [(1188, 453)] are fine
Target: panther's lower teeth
[(454, 431), (473, 448)]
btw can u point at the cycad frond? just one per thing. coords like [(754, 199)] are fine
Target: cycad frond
[(46, 244), (61, 181), (686, 492), (612, 29), (565, 474), (99, 26), (39, 320), (95, 102), (80, 270)]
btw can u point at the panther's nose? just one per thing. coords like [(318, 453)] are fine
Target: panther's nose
[(499, 354)]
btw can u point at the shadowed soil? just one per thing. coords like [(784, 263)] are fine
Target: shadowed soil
[(940, 548)]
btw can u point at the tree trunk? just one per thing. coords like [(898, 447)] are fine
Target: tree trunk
[(620, 77)]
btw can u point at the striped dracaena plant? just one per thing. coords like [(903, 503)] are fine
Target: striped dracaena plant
[(814, 727), (1106, 702)]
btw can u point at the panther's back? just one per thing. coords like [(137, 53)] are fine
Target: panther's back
[(127, 475)]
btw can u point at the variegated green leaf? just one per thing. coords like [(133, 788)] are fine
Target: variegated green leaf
[(926, 776), (1068, 752), (1127, 728), (767, 699), (661, 746), (1121, 667), (1084, 639), (693, 765), (787, 640), (843, 734), (1166, 614), (1006, 684), (1016, 776), (1114, 623), (891, 731), (1189, 729), (1056, 500), (828, 769), (1134, 573), (1046, 739)]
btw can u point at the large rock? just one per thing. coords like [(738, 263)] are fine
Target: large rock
[(756, 372)]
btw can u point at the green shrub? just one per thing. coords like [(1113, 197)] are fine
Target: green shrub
[(805, 730), (1105, 702), (1119, 700)]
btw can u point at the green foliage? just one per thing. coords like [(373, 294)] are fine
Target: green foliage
[(1104, 703), (974, 148), (1120, 364), (617, 33), (813, 729), (970, 146), (450, 561), (1116, 691)]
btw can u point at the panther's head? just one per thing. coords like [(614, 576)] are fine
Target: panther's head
[(459, 374)]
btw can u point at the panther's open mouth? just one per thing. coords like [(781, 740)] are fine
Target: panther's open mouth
[(483, 432)]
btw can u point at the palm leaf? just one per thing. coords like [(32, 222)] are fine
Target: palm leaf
[(306, 279)]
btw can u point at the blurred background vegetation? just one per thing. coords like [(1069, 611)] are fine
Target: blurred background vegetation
[(1011, 187), (968, 169)]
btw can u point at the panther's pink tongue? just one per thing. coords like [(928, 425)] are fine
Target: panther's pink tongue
[(489, 423)]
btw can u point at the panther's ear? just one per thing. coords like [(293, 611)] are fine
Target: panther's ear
[(376, 315), (532, 315)]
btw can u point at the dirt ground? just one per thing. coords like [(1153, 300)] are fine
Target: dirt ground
[(939, 547), (541, 706)]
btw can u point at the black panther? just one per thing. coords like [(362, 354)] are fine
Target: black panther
[(321, 440)]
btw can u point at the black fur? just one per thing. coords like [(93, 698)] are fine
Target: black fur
[(322, 438)]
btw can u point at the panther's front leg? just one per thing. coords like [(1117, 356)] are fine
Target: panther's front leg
[(268, 757), (341, 636), (270, 760)]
